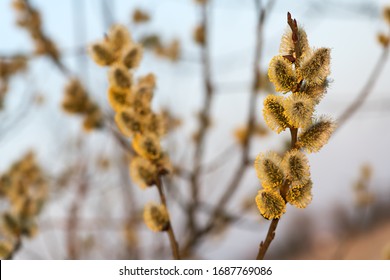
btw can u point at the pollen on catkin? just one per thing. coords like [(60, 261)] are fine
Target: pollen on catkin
[(268, 170), (156, 217), (314, 137), (101, 53), (281, 74), (118, 36), (118, 98), (300, 195), (120, 77), (273, 112), (270, 204), (316, 67), (143, 172), (298, 110), (296, 167), (132, 55), (148, 146), (128, 122), (315, 91)]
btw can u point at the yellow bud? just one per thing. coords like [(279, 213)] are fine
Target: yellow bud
[(287, 46), (128, 122), (143, 172), (156, 217), (316, 67), (132, 56), (281, 74), (270, 204), (269, 171), (274, 113), (118, 37), (120, 77), (147, 146), (119, 99), (316, 135), (296, 167), (101, 53), (300, 195), (298, 109)]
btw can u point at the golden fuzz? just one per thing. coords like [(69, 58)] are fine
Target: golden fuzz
[(281, 74), (316, 67), (316, 135), (315, 91), (143, 172), (147, 146), (274, 113), (118, 37), (101, 53), (120, 77), (270, 204), (269, 171), (128, 122), (296, 166), (156, 217), (119, 99), (298, 109), (132, 55), (300, 195)]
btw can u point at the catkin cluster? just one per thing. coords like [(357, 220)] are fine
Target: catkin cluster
[(25, 188), (131, 101), (302, 71), (30, 19)]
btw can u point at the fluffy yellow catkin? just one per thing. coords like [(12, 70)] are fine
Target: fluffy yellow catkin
[(269, 171), (270, 204), (287, 46), (298, 109), (128, 122), (296, 166), (119, 77), (132, 55), (274, 113), (101, 53), (143, 172), (156, 217), (300, 195), (316, 135), (147, 146), (316, 67), (119, 99), (281, 74)]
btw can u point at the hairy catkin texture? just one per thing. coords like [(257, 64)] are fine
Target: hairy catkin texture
[(270, 204), (143, 172), (314, 91), (132, 55), (128, 122), (101, 53), (300, 195), (281, 74), (118, 98), (274, 113), (298, 109), (269, 171), (316, 135), (119, 77), (287, 46), (156, 217), (296, 167), (316, 67), (118, 36), (148, 146)]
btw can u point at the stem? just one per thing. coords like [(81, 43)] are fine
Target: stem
[(171, 234), (204, 121)]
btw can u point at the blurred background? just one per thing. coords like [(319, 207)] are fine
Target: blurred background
[(91, 209)]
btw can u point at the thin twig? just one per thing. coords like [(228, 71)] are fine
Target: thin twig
[(171, 233), (204, 118)]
